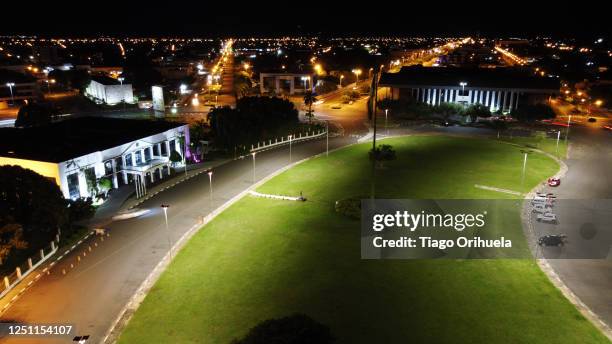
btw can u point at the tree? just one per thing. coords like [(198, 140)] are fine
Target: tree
[(242, 84), (326, 87), (477, 110), (382, 153), (32, 201), (35, 114), (175, 157), (78, 210), (309, 99), (448, 109), (294, 329), (252, 119), (105, 184), (529, 113), (11, 238)]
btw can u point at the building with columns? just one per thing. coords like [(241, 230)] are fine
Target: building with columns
[(285, 83), (78, 152), (500, 89)]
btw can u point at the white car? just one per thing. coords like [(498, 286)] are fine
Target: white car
[(541, 208), (547, 217)]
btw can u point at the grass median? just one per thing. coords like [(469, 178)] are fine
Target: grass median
[(265, 258)]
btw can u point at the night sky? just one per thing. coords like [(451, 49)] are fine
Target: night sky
[(128, 18)]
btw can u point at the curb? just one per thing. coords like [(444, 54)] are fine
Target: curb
[(113, 333), (543, 264), (45, 270)]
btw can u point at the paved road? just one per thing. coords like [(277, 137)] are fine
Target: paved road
[(92, 293), (588, 178)]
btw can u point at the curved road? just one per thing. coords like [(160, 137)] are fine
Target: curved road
[(586, 222), (93, 292)]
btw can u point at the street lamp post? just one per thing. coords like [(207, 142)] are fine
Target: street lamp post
[(10, 86), (525, 153), (210, 173), (290, 137), (341, 77), (357, 72), (569, 122), (326, 138), (253, 154), (386, 115), (557, 148), (463, 84), (122, 98), (165, 208)]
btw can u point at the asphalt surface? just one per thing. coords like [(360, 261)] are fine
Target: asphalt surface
[(585, 215), (94, 289)]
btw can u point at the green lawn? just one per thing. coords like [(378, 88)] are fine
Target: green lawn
[(265, 259)]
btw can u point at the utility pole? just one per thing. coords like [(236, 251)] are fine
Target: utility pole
[(374, 105)]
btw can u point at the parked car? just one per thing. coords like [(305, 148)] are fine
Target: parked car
[(547, 217), (552, 240), (554, 182)]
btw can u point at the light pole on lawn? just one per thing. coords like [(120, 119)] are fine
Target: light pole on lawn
[(525, 153), (569, 122), (253, 154), (290, 137), (210, 173), (165, 208), (386, 127), (557, 149), (326, 138)]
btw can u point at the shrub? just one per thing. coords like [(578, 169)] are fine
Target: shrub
[(382, 153), (349, 207)]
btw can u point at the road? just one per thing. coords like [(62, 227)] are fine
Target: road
[(92, 294), (588, 178)]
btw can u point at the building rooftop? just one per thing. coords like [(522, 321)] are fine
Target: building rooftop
[(16, 77), (68, 139), (105, 80), (474, 77)]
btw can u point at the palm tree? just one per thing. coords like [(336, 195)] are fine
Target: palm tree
[(309, 99)]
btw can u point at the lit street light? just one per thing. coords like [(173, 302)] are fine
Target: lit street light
[(341, 77), (357, 72), (10, 86), (304, 79), (463, 84), (386, 115), (569, 122), (165, 208), (210, 173), (121, 81)]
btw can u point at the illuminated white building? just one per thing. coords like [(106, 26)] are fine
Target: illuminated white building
[(124, 151), (109, 91), (498, 89)]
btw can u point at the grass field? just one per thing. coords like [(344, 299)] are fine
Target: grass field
[(265, 259)]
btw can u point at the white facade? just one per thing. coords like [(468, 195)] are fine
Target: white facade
[(110, 94), (140, 162), (504, 99)]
